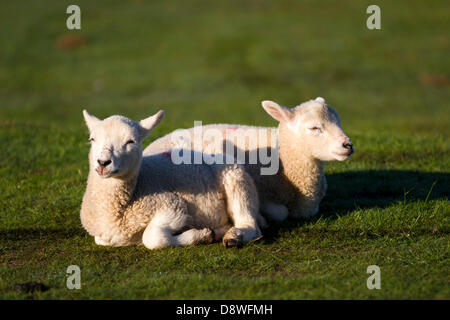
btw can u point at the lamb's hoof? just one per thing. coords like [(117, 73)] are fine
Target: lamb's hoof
[(233, 238), (209, 236), (231, 242), (212, 236)]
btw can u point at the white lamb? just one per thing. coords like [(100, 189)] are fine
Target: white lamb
[(131, 199), (307, 136)]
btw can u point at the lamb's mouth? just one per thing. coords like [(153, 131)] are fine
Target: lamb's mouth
[(344, 155), (105, 173)]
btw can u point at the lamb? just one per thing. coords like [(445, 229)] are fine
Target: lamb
[(307, 136), (133, 199)]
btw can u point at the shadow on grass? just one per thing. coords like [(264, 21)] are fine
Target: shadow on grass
[(41, 233), (348, 191), (381, 188)]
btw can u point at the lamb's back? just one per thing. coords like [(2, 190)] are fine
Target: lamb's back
[(189, 138)]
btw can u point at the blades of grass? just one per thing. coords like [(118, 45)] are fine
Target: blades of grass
[(429, 192)]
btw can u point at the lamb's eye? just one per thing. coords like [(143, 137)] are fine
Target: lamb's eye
[(130, 141), (91, 140), (316, 129)]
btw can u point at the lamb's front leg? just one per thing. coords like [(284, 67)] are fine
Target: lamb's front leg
[(195, 236), (243, 206), (305, 208), (308, 206), (274, 211), (160, 231)]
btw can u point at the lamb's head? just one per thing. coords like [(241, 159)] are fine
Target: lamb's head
[(116, 143), (315, 126)]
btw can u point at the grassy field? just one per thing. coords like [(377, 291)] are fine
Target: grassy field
[(215, 61)]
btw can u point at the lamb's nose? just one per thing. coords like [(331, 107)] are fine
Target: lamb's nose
[(348, 145), (104, 163)]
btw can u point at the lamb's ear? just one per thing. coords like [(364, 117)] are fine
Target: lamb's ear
[(320, 99), (280, 113), (147, 125), (91, 120)]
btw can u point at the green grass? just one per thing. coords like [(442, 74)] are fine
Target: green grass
[(215, 61)]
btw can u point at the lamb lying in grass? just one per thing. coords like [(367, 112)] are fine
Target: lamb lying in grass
[(307, 136), (132, 199)]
